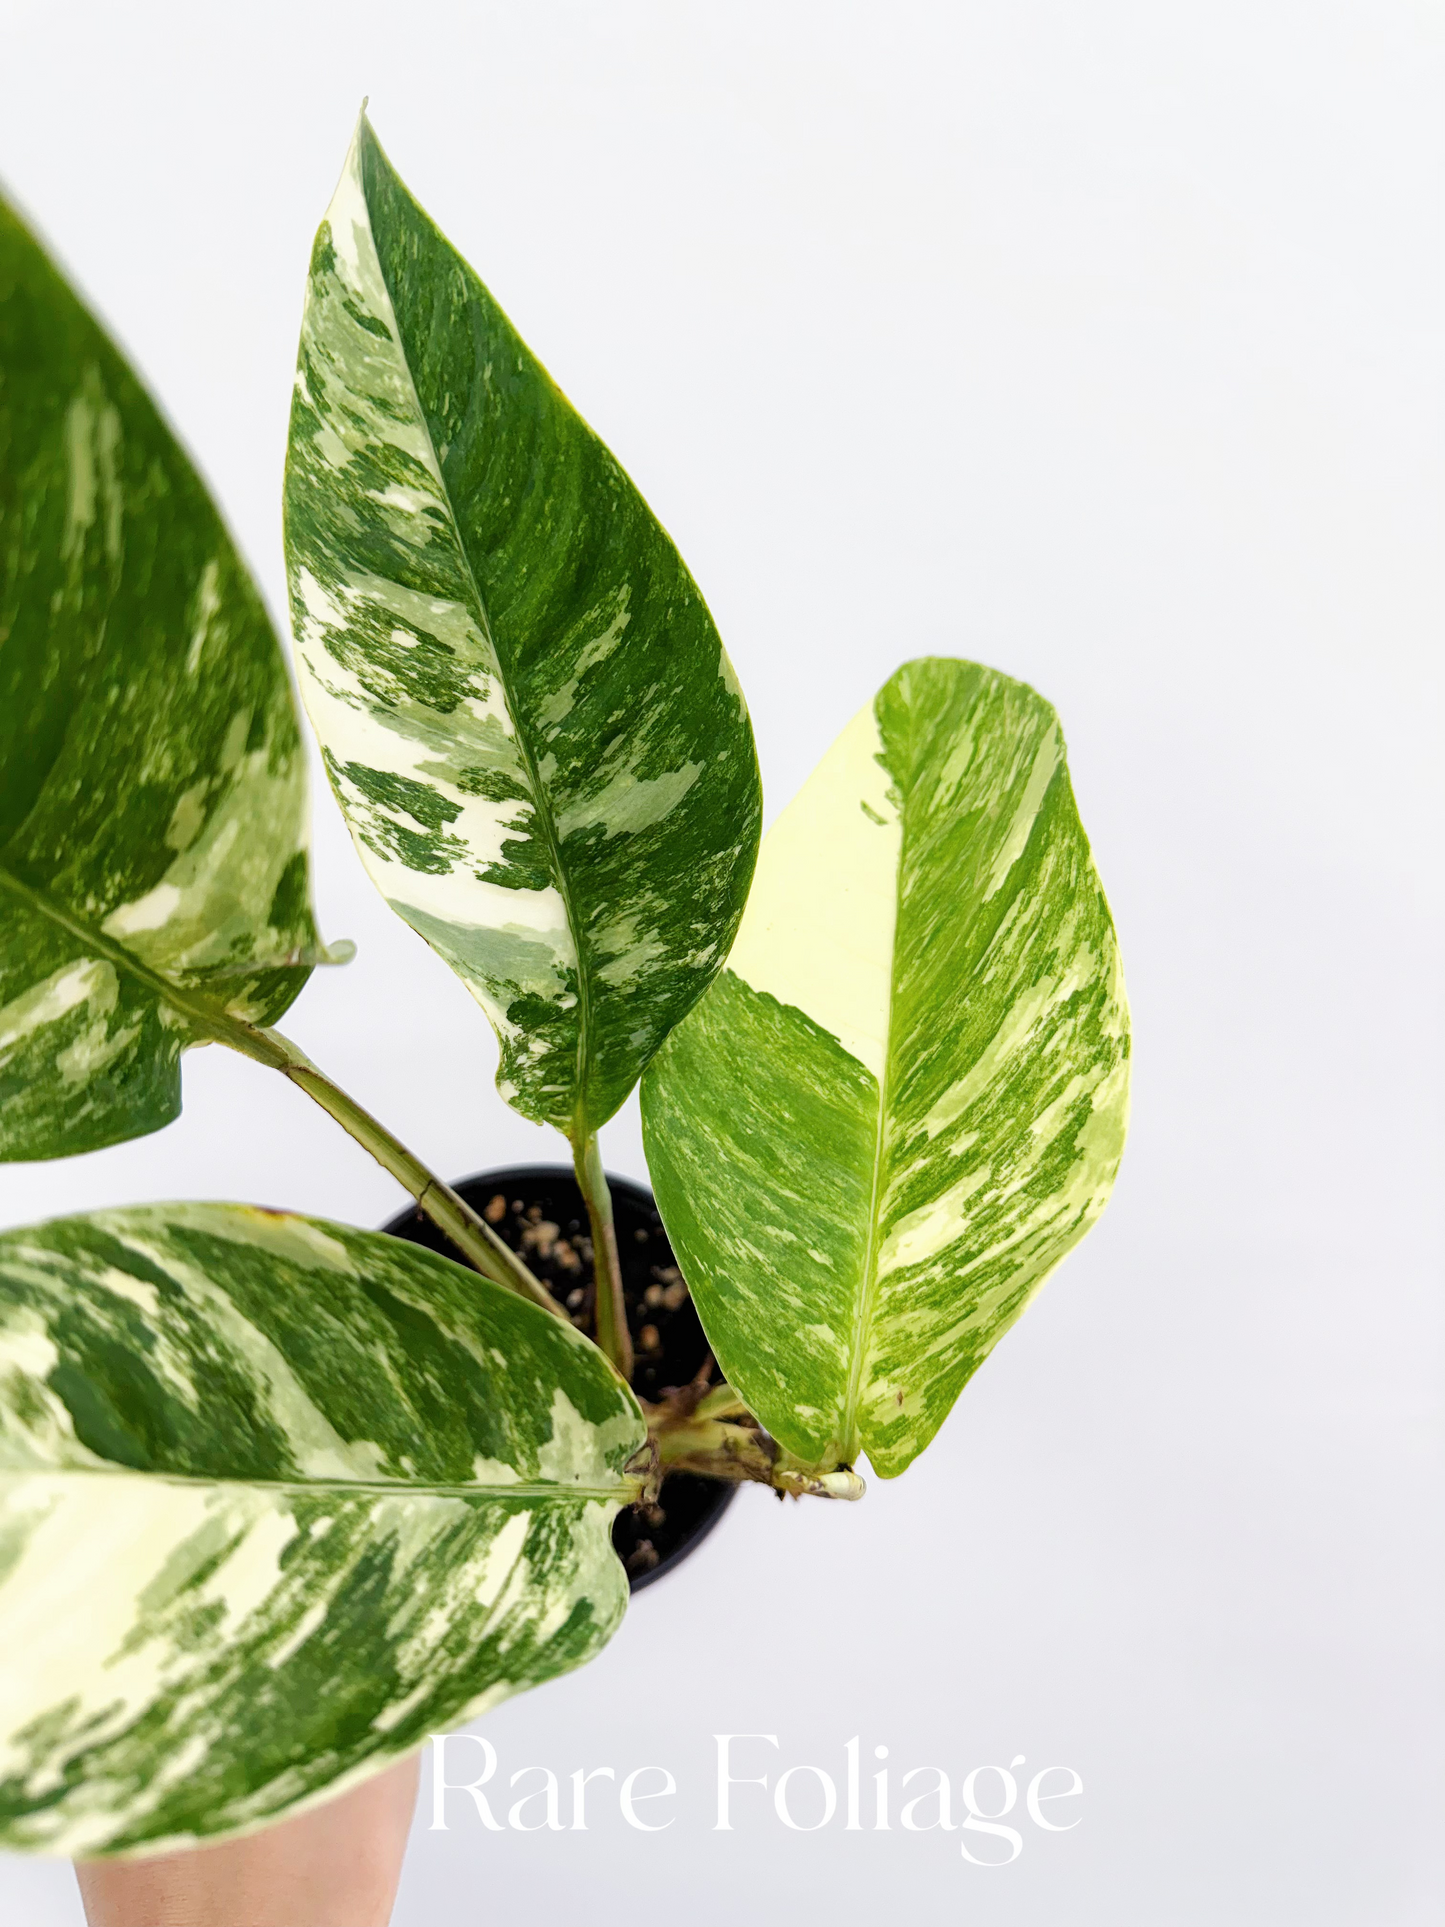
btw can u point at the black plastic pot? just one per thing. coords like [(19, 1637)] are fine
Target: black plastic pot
[(541, 1215)]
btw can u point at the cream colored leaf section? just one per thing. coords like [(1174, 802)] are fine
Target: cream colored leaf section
[(377, 713), (817, 932)]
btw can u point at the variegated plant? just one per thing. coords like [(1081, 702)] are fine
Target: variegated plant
[(905, 1098), (279, 1497), (527, 715), (153, 867)]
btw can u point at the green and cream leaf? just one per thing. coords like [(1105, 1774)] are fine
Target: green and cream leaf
[(905, 1098), (277, 1499), (152, 785), (526, 711)]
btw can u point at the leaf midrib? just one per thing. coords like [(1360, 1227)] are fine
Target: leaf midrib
[(216, 1022), (540, 799), (526, 1489), (852, 1439)]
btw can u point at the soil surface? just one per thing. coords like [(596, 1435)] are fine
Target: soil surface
[(538, 1211)]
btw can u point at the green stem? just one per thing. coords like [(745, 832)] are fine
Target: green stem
[(611, 1308), (472, 1235), (450, 1213)]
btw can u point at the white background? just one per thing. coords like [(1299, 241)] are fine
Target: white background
[(1100, 342)]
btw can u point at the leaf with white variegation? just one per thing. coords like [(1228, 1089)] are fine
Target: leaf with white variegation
[(277, 1499), (528, 717), (905, 1098), (152, 783)]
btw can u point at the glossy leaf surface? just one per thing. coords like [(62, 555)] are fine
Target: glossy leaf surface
[(152, 786), (905, 1098), (527, 714), (277, 1499)]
